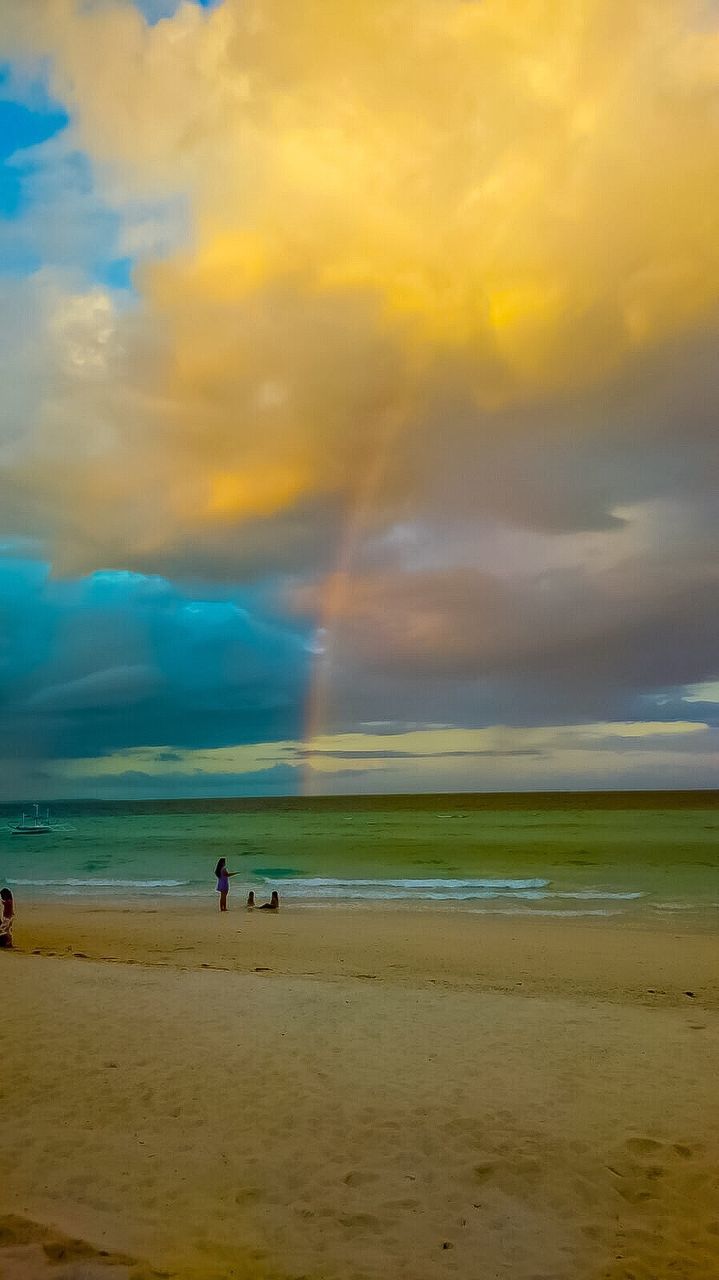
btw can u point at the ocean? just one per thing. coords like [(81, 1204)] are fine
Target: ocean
[(633, 854)]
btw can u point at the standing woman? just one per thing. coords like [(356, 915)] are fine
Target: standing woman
[(223, 882), (7, 915)]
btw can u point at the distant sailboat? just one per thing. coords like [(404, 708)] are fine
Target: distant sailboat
[(36, 824)]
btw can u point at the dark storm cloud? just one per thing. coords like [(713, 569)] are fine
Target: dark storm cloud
[(564, 570), (100, 690), (563, 464), (466, 647), (279, 780), (117, 660), (138, 783)]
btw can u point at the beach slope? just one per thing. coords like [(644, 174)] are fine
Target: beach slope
[(286, 1112)]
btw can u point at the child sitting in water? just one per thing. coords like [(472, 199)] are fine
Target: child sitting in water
[(251, 900), (7, 917), (273, 904)]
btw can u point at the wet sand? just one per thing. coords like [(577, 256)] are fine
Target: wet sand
[(352, 1094)]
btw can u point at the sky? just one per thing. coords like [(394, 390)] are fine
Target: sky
[(359, 417)]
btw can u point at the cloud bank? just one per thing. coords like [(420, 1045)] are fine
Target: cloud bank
[(492, 201), (415, 336)]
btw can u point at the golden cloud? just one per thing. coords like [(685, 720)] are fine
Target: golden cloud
[(524, 192)]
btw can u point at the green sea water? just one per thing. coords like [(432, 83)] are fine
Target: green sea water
[(567, 854)]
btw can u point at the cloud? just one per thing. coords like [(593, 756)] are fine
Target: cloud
[(520, 214), (703, 692), (379, 754), (552, 626), (636, 754), (136, 784), (117, 660), (113, 687), (393, 323)]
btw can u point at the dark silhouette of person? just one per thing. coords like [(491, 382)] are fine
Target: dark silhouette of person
[(7, 916)]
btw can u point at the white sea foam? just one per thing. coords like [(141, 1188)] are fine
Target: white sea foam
[(530, 894), (436, 883), (434, 890), (325, 890), (540, 911), (74, 883), (588, 894)]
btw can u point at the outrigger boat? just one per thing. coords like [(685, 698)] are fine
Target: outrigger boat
[(34, 824)]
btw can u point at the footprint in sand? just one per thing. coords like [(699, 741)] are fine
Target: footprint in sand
[(686, 1152), (643, 1146), (79, 1250), (651, 1164), (359, 1178), (245, 1194), (634, 1177), (671, 1228), (521, 1173), (30, 1249), (360, 1221)]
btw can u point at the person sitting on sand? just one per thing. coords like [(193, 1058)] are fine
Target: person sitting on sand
[(223, 882), (7, 917), (273, 904), (251, 900)]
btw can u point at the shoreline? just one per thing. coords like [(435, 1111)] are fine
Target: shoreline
[(641, 960)]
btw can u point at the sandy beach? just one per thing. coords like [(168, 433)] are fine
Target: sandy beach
[(351, 1094)]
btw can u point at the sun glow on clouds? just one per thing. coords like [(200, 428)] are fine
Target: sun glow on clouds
[(703, 692), (522, 192), (253, 491), (330, 752), (414, 760)]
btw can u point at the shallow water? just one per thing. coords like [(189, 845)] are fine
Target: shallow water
[(571, 854)]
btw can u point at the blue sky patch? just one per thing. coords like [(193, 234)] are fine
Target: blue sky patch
[(117, 274), (20, 128), (156, 10)]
